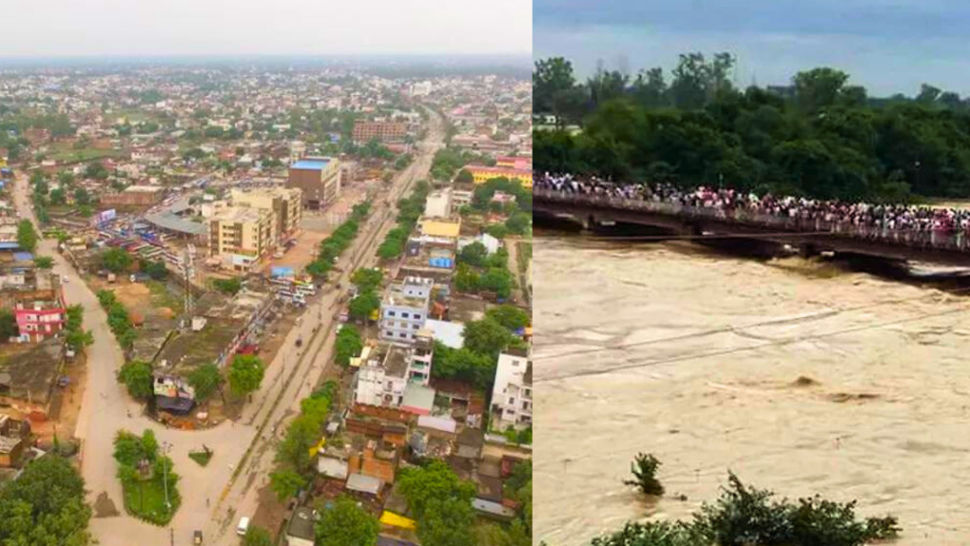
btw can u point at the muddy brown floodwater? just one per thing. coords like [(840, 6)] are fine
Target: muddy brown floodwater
[(799, 377)]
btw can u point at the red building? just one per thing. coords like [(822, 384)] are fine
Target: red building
[(41, 312)]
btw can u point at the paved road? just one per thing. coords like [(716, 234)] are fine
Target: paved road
[(206, 492), (242, 497)]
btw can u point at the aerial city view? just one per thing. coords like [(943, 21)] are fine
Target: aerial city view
[(752, 242), (271, 286)]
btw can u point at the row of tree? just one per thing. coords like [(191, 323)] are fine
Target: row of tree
[(819, 136)]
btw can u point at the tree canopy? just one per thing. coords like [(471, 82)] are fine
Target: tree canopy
[(821, 136), (346, 523), (245, 374), (45, 506)]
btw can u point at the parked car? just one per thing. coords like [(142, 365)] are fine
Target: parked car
[(197, 537)]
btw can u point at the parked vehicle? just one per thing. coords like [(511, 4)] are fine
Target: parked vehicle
[(243, 526), (197, 537)]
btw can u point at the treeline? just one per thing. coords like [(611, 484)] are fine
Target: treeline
[(337, 242), (819, 136)]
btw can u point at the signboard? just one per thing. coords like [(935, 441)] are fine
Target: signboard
[(105, 216)]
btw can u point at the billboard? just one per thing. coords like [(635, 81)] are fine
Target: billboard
[(106, 216)]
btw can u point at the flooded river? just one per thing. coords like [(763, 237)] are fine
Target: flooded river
[(798, 376)]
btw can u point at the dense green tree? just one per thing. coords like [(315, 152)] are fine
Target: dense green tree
[(487, 336), (346, 523), (245, 374), (205, 379), (473, 254), (361, 307), (137, 377), (510, 316), (44, 262), (348, 344), (26, 235), (367, 278), (45, 506), (286, 483), (257, 536), (116, 260), (8, 324)]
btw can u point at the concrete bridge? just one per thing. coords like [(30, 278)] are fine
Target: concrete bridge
[(810, 236)]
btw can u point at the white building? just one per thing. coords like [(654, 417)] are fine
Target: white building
[(381, 380), (404, 310), (438, 204), (512, 393)]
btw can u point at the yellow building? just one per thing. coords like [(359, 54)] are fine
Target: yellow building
[(482, 174), (440, 227), (242, 235), (285, 203)]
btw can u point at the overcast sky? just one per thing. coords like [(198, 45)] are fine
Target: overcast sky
[(888, 46), (44, 28)]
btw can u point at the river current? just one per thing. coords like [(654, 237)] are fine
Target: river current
[(799, 376)]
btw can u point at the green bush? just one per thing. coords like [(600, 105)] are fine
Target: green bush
[(644, 469)]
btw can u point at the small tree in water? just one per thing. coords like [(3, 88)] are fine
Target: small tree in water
[(644, 468)]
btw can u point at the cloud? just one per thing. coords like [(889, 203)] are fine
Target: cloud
[(205, 27)]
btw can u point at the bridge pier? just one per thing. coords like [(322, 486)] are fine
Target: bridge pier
[(807, 250)]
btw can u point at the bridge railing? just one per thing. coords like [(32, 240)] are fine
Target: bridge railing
[(939, 239)]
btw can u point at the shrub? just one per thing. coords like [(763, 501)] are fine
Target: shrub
[(644, 468)]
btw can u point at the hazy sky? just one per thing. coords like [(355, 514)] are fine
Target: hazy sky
[(888, 46), (223, 27)]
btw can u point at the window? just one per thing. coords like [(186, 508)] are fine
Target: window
[(511, 400), (404, 315), (402, 334), (390, 313), (389, 333), (417, 316), (415, 326)]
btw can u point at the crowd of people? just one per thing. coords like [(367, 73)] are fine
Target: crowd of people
[(864, 218)]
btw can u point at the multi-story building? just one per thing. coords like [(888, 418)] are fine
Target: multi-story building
[(285, 203), (40, 310), (382, 380), (482, 174), (242, 235), (512, 393), (419, 361), (384, 131), (438, 204), (319, 180), (404, 310)]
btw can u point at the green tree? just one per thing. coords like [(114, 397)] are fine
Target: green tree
[(45, 506), (137, 377), (205, 379), (8, 325), (346, 523), (464, 176), (227, 286), (116, 260), (348, 344), (26, 236), (257, 536), (518, 222), (286, 483), (510, 316), (367, 278), (473, 254), (245, 374), (361, 307), (486, 336), (44, 262), (58, 196)]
